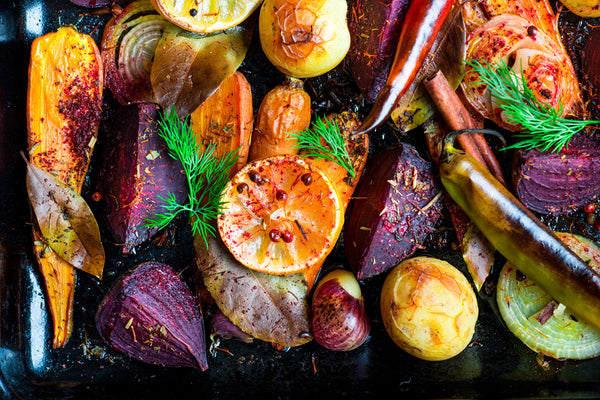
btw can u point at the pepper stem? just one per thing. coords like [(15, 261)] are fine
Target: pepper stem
[(448, 148)]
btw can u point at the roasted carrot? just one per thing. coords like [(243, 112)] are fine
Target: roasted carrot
[(64, 102)]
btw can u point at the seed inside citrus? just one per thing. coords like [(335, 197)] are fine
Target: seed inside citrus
[(282, 215), (206, 16)]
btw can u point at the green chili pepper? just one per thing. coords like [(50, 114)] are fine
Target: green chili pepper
[(518, 235)]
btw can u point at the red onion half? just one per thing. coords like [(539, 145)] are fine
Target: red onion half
[(339, 318), (128, 46)]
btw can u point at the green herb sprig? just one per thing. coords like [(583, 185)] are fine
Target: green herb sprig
[(206, 177), (543, 126), (310, 143)]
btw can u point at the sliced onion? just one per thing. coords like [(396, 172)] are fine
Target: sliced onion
[(542, 61), (558, 335), (128, 47)]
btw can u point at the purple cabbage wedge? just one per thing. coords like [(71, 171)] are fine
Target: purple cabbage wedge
[(375, 30), (152, 316), (558, 183), (397, 204), (136, 171)]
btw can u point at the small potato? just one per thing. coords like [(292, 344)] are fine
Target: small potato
[(429, 308), (304, 39)]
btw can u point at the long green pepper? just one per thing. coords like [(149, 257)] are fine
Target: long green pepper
[(518, 235)]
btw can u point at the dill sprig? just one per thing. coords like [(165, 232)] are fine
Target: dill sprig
[(206, 177), (310, 143), (543, 126)]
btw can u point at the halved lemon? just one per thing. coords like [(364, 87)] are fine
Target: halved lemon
[(282, 215), (206, 16), (523, 304)]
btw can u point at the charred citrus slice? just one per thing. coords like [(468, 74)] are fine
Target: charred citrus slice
[(208, 15), (282, 215), (537, 320)]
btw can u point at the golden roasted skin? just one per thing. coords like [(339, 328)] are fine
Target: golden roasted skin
[(285, 109), (64, 101)]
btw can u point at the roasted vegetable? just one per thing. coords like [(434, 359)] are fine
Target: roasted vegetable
[(189, 67), (358, 150), (339, 317), (206, 16), (583, 8), (151, 315), (128, 46), (424, 20), (429, 308), (374, 29), (221, 327), (285, 109), (519, 236), (447, 56), (137, 173), (396, 205), (304, 39), (537, 320), (64, 101), (590, 61), (534, 56), (558, 183), (226, 119)]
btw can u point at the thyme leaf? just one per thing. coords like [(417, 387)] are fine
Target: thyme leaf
[(310, 143), (206, 177), (543, 126)]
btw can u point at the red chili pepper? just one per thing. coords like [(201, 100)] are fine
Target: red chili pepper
[(422, 23)]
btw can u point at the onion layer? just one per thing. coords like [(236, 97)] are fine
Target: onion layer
[(531, 53), (532, 315), (128, 47)]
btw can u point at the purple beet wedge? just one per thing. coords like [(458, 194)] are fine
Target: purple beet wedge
[(375, 30), (136, 171), (396, 205), (152, 316)]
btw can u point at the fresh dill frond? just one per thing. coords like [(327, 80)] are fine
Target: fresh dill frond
[(206, 177), (310, 143), (543, 126)]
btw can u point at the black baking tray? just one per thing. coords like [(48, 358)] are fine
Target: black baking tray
[(495, 365)]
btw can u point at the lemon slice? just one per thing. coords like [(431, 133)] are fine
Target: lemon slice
[(282, 215), (206, 16)]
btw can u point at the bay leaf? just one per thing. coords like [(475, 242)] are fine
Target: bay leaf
[(66, 222), (272, 308), (188, 67)]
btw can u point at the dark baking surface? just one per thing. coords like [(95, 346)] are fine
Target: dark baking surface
[(495, 365)]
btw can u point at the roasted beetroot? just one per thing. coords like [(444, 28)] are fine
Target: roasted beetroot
[(136, 170), (152, 316), (396, 205), (375, 29), (558, 183)]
